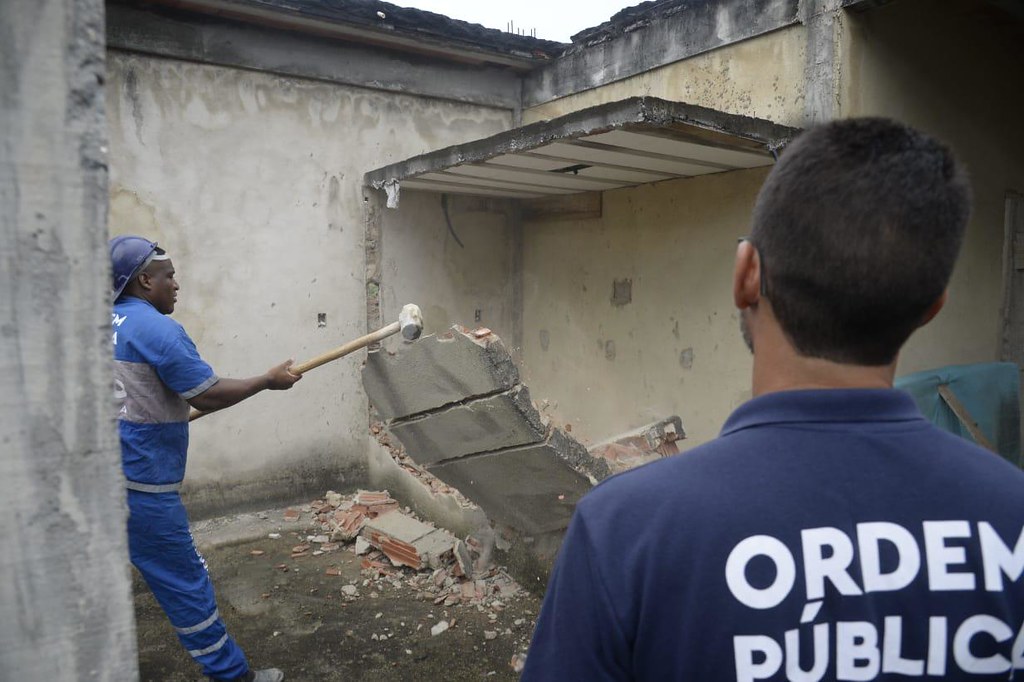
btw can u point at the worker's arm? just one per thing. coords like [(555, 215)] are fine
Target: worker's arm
[(227, 392)]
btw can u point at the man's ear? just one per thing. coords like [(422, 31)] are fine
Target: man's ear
[(934, 308), (746, 277), (145, 280)]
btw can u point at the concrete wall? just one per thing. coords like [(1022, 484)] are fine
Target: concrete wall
[(423, 263), (953, 73), (675, 348), (762, 77), (253, 183), (65, 596)]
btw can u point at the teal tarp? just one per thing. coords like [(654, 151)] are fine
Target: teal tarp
[(990, 392)]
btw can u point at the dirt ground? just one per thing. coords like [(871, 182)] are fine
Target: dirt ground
[(288, 613)]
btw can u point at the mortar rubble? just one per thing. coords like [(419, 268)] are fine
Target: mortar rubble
[(399, 548)]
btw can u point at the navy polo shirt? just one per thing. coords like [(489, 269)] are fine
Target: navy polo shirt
[(825, 535)]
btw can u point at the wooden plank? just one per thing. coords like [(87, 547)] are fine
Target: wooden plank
[(452, 188), (585, 152), (446, 177), (965, 417), (563, 180), (686, 151)]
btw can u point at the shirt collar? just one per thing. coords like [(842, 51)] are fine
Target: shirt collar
[(824, 406)]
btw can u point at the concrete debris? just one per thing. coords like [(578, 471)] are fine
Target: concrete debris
[(518, 662), (463, 559), (490, 634), (397, 548), (442, 626), (407, 541), (643, 445)]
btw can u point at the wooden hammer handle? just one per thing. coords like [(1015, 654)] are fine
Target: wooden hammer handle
[(342, 351), (339, 352)]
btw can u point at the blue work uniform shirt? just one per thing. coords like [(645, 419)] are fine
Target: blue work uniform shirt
[(157, 369), (825, 535)]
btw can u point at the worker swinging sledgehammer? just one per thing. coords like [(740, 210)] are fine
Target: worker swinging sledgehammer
[(158, 374)]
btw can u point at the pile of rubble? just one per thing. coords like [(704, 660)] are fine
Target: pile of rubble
[(397, 547)]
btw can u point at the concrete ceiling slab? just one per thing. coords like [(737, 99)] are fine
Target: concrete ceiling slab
[(621, 144)]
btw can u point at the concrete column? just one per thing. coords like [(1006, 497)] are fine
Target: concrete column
[(65, 598), (822, 61)]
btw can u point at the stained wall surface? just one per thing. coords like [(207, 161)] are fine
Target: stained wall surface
[(761, 77), (605, 365), (949, 73), (474, 284), (253, 182)]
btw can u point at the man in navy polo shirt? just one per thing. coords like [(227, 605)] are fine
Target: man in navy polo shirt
[(158, 375), (830, 532)]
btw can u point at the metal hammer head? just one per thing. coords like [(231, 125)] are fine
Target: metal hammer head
[(411, 322)]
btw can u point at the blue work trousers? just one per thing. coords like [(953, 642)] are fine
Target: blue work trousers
[(161, 547)]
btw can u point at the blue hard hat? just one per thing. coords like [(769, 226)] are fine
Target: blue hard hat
[(128, 254)]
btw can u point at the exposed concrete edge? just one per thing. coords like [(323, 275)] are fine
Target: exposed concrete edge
[(630, 113), (528, 559), (286, 53), (700, 28), (577, 456), (445, 511)]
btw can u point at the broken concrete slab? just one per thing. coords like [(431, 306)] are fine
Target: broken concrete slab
[(499, 421), (437, 371), (407, 541), (496, 449), (533, 488)]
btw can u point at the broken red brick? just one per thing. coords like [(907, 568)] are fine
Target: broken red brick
[(291, 514), (299, 548), (331, 570), (257, 552)]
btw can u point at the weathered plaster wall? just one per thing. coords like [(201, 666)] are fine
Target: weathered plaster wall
[(65, 598), (675, 348), (474, 285), (950, 73), (761, 77), (253, 182)]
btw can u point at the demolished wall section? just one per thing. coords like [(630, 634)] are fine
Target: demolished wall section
[(456, 403)]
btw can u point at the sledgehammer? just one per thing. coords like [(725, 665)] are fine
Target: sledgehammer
[(410, 323)]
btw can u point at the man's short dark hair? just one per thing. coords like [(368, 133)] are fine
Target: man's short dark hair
[(858, 227)]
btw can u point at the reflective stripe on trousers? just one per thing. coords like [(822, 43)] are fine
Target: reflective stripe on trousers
[(163, 551)]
